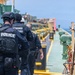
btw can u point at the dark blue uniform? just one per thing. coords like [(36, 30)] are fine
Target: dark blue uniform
[(34, 46), (21, 39), (24, 30), (22, 42)]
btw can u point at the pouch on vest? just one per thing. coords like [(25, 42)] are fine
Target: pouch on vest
[(8, 43)]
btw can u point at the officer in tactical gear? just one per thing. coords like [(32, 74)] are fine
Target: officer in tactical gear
[(22, 28), (10, 40), (26, 32), (35, 48)]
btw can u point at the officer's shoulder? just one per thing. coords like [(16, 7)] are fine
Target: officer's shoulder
[(27, 28), (34, 34), (16, 32), (18, 24)]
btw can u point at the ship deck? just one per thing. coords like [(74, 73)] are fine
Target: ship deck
[(55, 61)]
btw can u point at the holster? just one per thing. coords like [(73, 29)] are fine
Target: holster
[(8, 63)]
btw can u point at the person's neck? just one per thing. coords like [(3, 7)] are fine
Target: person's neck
[(7, 23)]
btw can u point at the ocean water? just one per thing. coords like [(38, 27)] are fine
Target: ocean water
[(68, 30)]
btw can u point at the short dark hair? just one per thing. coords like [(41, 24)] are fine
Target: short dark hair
[(6, 19), (18, 17)]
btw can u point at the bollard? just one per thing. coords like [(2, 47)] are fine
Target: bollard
[(19, 72), (51, 35), (61, 33), (65, 51), (65, 41)]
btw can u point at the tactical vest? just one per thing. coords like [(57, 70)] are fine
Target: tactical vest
[(19, 27), (8, 42)]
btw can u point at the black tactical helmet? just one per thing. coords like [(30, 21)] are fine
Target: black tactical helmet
[(9, 15), (18, 17)]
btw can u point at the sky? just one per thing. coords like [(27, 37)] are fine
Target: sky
[(62, 10)]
